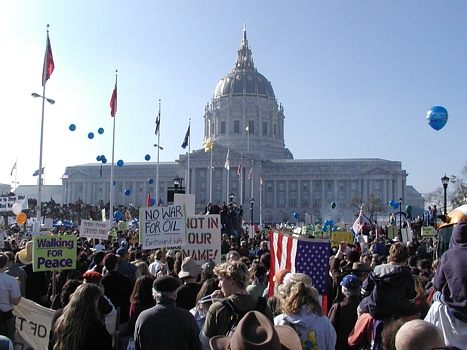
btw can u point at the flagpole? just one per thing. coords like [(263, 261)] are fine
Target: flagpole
[(227, 161), (260, 196), (112, 192), (158, 153), (241, 183), (188, 166), (210, 178), (251, 179), (16, 174)]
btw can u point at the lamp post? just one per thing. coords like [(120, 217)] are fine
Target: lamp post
[(39, 187), (252, 201), (231, 197), (400, 215), (445, 182), (177, 182), (159, 147)]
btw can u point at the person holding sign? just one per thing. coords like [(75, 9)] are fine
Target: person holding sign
[(9, 297)]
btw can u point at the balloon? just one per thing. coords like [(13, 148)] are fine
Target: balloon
[(127, 192), (391, 203), (98, 158), (17, 208), (396, 205), (296, 215), (331, 223), (72, 127), (147, 157), (408, 208), (21, 218), (100, 131), (114, 183), (91, 135), (150, 181), (334, 229), (325, 229), (103, 160), (437, 117), (333, 205), (117, 215), (153, 201), (120, 162)]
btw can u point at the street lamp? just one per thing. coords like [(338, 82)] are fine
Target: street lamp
[(231, 196), (157, 146), (252, 201), (445, 182), (400, 215), (177, 182), (49, 100)]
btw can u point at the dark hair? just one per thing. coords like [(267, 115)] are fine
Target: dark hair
[(98, 257), (142, 291), (3, 260), (74, 275), (68, 289), (266, 260)]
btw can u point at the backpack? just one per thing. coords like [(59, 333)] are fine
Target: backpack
[(236, 315)]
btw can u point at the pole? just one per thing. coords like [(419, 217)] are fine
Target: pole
[(228, 171), (260, 196), (210, 177), (400, 215), (158, 154), (188, 166), (112, 190)]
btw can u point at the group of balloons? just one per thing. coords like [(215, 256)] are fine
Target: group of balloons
[(329, 223), (437, 117), (393, 204), (21, 217)]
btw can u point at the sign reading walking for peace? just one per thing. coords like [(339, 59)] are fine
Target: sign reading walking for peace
[(161, 227), (54, 253)]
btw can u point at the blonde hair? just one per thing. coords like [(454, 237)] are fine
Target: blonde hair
[(236, 270), (299, 296), (143, 267)]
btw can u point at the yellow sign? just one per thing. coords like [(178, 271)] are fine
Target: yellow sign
[(427, 231), (338, 237), (54, 253)]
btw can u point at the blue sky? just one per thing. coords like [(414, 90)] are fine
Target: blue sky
[(356, 78)]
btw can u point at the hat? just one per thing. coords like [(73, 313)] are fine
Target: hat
[(92, 277), (255, 331), (25, 255), (396, 239), (298, 277), (350, 282), (98, 247), (122, 251), (166, 284), (360, 267), (189, 268), (279, 276), (285, 288), (170, 253), (111, 258)]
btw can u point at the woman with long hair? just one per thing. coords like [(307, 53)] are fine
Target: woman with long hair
[(141, 299), (203, 300), (79, 327), (302, 311)]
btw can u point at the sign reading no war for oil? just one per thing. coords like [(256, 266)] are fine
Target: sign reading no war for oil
[(161, 227), (54, 253), (203, 237)]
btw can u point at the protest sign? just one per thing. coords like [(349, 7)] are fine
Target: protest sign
[(203, 238), (339, 236), (54, 253), (94, 229), (161, 227)]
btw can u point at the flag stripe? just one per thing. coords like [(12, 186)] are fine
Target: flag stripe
[(49, 64), (113, 102)]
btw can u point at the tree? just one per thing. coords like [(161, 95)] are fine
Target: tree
[(370, 206)]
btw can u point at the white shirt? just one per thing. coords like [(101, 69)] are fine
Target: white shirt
[(8, 289), (155, 267)]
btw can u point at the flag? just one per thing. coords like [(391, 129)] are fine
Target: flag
[(308, 256), (250, 173), (49, 65), (227, 162), (148, 200), (239, 169), (358, 224), (100, 171), (187, 137), (261, 180), (14, 168), (208, 145), (36, 173), (113, 102), (160, 202), (65, 175), (158, 123)]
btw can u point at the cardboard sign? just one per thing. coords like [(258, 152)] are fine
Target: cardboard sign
[(94, 229), (203, 238), (427, 231), (54, 253), (161, 227), (337, 237)]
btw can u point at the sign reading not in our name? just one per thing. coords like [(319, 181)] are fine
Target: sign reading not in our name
[(161, 227)]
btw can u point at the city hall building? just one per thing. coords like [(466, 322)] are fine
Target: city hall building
[(249, 161)]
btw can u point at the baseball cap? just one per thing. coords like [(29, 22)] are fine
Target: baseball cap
[(350, 282)]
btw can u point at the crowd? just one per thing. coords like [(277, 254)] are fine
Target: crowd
[(382, 294)]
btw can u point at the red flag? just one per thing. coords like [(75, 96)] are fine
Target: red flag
[(250, 173), (239, 169), (148, 200), (49, 65), (113, 102)]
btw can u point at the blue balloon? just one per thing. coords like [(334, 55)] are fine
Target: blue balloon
[(117, 215), (334, 229), (396, 205), (296, 215), (391, 203), (331, 223), (437, 117), (100, 131), (150, 181), (98, 158), (72, 127), (120, 163), (127, 192), (103, 160), (325, 229), (153, 201), (147, 157), (114, 183), (91, 135)]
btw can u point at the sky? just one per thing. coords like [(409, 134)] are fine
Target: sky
[(356, 79)]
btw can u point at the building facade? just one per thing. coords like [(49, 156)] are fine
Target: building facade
[(249, 164)]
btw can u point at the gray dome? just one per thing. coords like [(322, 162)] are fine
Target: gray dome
[(244, 82)]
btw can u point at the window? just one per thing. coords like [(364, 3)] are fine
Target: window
[(265, 128), (223, 128), (236, 127), (275, 130), (251, 127)]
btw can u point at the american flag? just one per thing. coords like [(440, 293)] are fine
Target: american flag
[(308, 256), (250, 173), (239, 168), (358, 224)]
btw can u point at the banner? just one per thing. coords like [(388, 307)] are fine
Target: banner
[(203, 238), (54, 253), (161, 227), (6, 202), (94, 229)]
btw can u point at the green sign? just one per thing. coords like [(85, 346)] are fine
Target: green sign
[(54, 253)]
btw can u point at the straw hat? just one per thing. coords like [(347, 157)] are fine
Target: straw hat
[(255, 331), (25, 255), (189, 268)]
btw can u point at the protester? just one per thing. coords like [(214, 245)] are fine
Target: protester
[(10, 296), (15, 271), (420, 335), (204, 301), (79, 328), (186, 296), (166, 326)]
